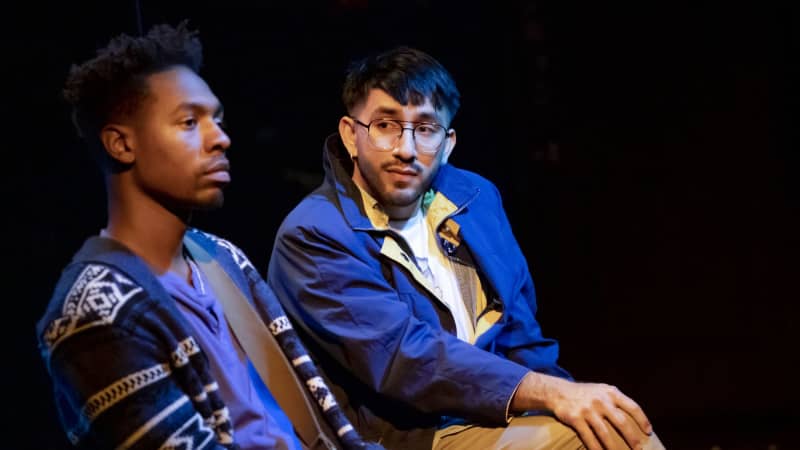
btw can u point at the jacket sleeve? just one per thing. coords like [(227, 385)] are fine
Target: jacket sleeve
[(344, 303), (521, 339), (114, 385)]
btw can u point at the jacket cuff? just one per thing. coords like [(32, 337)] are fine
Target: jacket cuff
[(509, 415)]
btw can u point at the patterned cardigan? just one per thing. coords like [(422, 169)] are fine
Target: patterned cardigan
[(127, 372)]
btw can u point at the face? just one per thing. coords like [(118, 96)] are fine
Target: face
[(178, 144), (397, 178)]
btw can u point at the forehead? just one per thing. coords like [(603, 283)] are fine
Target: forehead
[(380, 104), (169, 89)]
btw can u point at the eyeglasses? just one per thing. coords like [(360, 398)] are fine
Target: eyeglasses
[(386, 133)]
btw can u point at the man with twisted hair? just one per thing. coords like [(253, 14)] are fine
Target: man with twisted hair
[(135, 340)]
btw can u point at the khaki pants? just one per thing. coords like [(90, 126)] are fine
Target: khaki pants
[(522, 433)]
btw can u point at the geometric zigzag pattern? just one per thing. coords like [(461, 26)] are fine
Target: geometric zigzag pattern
[(192, 435), (321, 393), (122, 388), (279, 325), (95, 298), (186, 348)]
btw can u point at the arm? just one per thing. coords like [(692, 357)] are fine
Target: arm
[(337, 293), (591, 409), (106, 400), (501, 260), (116, 383)]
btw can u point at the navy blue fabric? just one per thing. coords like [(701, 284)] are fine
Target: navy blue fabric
[(110, 319)]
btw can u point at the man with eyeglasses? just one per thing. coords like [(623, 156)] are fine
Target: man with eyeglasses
[(402, 273)]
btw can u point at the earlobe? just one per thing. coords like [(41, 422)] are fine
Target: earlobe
[(117, 142), (348, 135)]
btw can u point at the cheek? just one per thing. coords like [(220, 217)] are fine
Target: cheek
[(429, 168), (371, 166), (171, 158), (179, 149)]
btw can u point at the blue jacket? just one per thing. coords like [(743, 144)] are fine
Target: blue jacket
[(377, 329)]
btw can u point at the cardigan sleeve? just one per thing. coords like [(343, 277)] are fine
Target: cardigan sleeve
[(117, 382)]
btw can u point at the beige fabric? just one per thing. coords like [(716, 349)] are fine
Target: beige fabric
[(522, 433), (437, 219)]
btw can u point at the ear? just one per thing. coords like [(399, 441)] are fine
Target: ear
[(347, 131), (118, 142), (449, 144)]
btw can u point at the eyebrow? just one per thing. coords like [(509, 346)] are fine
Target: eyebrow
[(385, 111), (394, 112), (216, 108)]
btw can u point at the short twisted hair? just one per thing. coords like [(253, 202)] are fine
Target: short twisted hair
[(112, 85)]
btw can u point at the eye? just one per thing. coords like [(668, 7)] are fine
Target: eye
[(189, 123), (427, 128), (385, 124)]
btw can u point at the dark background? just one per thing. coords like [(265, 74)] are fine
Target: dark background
[(647, 155)]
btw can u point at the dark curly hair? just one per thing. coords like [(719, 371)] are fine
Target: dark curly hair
[(113, 84), (407, 74)]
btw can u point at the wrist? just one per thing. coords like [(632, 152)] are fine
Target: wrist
[(538, 391)]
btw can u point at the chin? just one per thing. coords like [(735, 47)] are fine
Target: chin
[(403, 199), (209, 204)]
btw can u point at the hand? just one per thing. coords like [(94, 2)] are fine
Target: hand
[(592, 410)]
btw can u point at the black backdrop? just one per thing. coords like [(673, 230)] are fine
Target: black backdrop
[(647, 157)]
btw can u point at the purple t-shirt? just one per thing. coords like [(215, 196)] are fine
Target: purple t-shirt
[(254, 427)]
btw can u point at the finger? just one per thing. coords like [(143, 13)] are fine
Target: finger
[(587, 436), (627, 404), (625, 427), (604, 432)]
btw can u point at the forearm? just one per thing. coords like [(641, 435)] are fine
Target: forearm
[(136, 399), (369, 329), (433, 371)]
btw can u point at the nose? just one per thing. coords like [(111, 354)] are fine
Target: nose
[(219, 139), (406, 147)]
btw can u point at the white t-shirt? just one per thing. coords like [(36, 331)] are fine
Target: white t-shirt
[(437, 268)]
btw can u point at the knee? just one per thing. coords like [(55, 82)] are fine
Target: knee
[(539, 432), (565, 438)]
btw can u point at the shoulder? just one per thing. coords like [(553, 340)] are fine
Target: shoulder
[(318, 212), (450, 177), (87, 296), (217, 243), (473, 177)]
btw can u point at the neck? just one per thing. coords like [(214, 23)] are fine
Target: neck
[(147, 228)]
